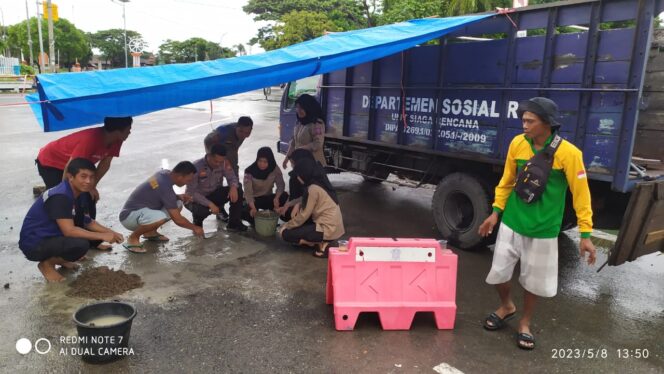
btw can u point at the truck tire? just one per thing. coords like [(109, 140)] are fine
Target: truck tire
[(460, 205)]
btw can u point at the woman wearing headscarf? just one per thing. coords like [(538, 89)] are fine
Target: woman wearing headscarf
[(309, 131), (319, 220), (296, 188), (259, 180)]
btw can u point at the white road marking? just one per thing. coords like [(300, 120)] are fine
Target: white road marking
[(226, 119), (207, 123), (444, 368)]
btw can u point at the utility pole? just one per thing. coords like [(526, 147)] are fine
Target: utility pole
[(41, 42), (27, 17), (51, 40), (2, 26), (124, 19)]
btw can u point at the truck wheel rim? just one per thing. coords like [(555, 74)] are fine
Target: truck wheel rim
[(458, 211)]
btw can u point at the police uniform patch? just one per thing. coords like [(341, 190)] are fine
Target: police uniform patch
[(153, 183)]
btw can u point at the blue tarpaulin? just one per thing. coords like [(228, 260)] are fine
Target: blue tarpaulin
[(72, 100)]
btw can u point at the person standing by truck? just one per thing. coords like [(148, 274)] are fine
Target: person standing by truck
[(529, 229), (309, 131)]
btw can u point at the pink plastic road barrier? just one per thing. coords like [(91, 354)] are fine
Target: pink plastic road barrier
[(394, 277)]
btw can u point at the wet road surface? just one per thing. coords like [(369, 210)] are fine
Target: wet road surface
[(241, 303)]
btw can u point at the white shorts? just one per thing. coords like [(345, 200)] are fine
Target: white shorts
[(145, 216), (539, 262)]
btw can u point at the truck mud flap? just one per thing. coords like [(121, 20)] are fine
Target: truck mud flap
[(642, 228)]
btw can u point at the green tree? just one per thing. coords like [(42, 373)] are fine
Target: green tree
[(3, 40), (403, 10), (111, 44), (240, 49), (191, 50), (457, 7), (167, 52), (70, 42), (342, 14), (346, 14), (29, 70), (299, 26)]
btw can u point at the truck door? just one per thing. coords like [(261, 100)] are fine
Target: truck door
[(642, 229), (287, 117)]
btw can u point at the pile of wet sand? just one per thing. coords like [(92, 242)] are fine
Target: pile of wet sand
[(102, 282)]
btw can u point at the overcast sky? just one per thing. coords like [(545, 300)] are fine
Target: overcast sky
[(220, 21)]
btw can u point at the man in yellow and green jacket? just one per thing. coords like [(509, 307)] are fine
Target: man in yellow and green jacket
[(528, 232)]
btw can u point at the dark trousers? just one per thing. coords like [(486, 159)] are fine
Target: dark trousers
[(263, 202), (69, 249), (52, 177), (307, 232), (219, 197)]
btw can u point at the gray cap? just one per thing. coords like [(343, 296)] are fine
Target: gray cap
[(545, 109)]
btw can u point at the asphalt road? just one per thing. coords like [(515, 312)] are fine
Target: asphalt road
[(241, 303)]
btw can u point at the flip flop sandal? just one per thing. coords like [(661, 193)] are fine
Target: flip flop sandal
[(156, 238), (522, 339), (132, 248), (497, 322), (324, 253)]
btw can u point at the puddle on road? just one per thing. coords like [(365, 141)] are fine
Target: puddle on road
[(632, 290), (168, 271)]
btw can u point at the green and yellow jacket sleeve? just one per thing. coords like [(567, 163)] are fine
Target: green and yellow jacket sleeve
[(575, 173), (507, 182)]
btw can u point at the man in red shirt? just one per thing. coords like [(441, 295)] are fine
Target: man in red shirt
[(98, 145)]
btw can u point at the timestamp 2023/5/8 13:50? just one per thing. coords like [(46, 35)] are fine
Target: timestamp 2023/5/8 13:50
[(600, 353)]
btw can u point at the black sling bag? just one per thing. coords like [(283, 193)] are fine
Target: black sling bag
[(531, 180)]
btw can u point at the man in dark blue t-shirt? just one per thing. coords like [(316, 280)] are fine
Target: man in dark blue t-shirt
[(58, 229)]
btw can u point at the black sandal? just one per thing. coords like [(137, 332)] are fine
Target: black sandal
[(522, 339), (497, 322), (322, 250)]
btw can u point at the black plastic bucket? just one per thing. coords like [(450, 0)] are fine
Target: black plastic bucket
[(109, 341)]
